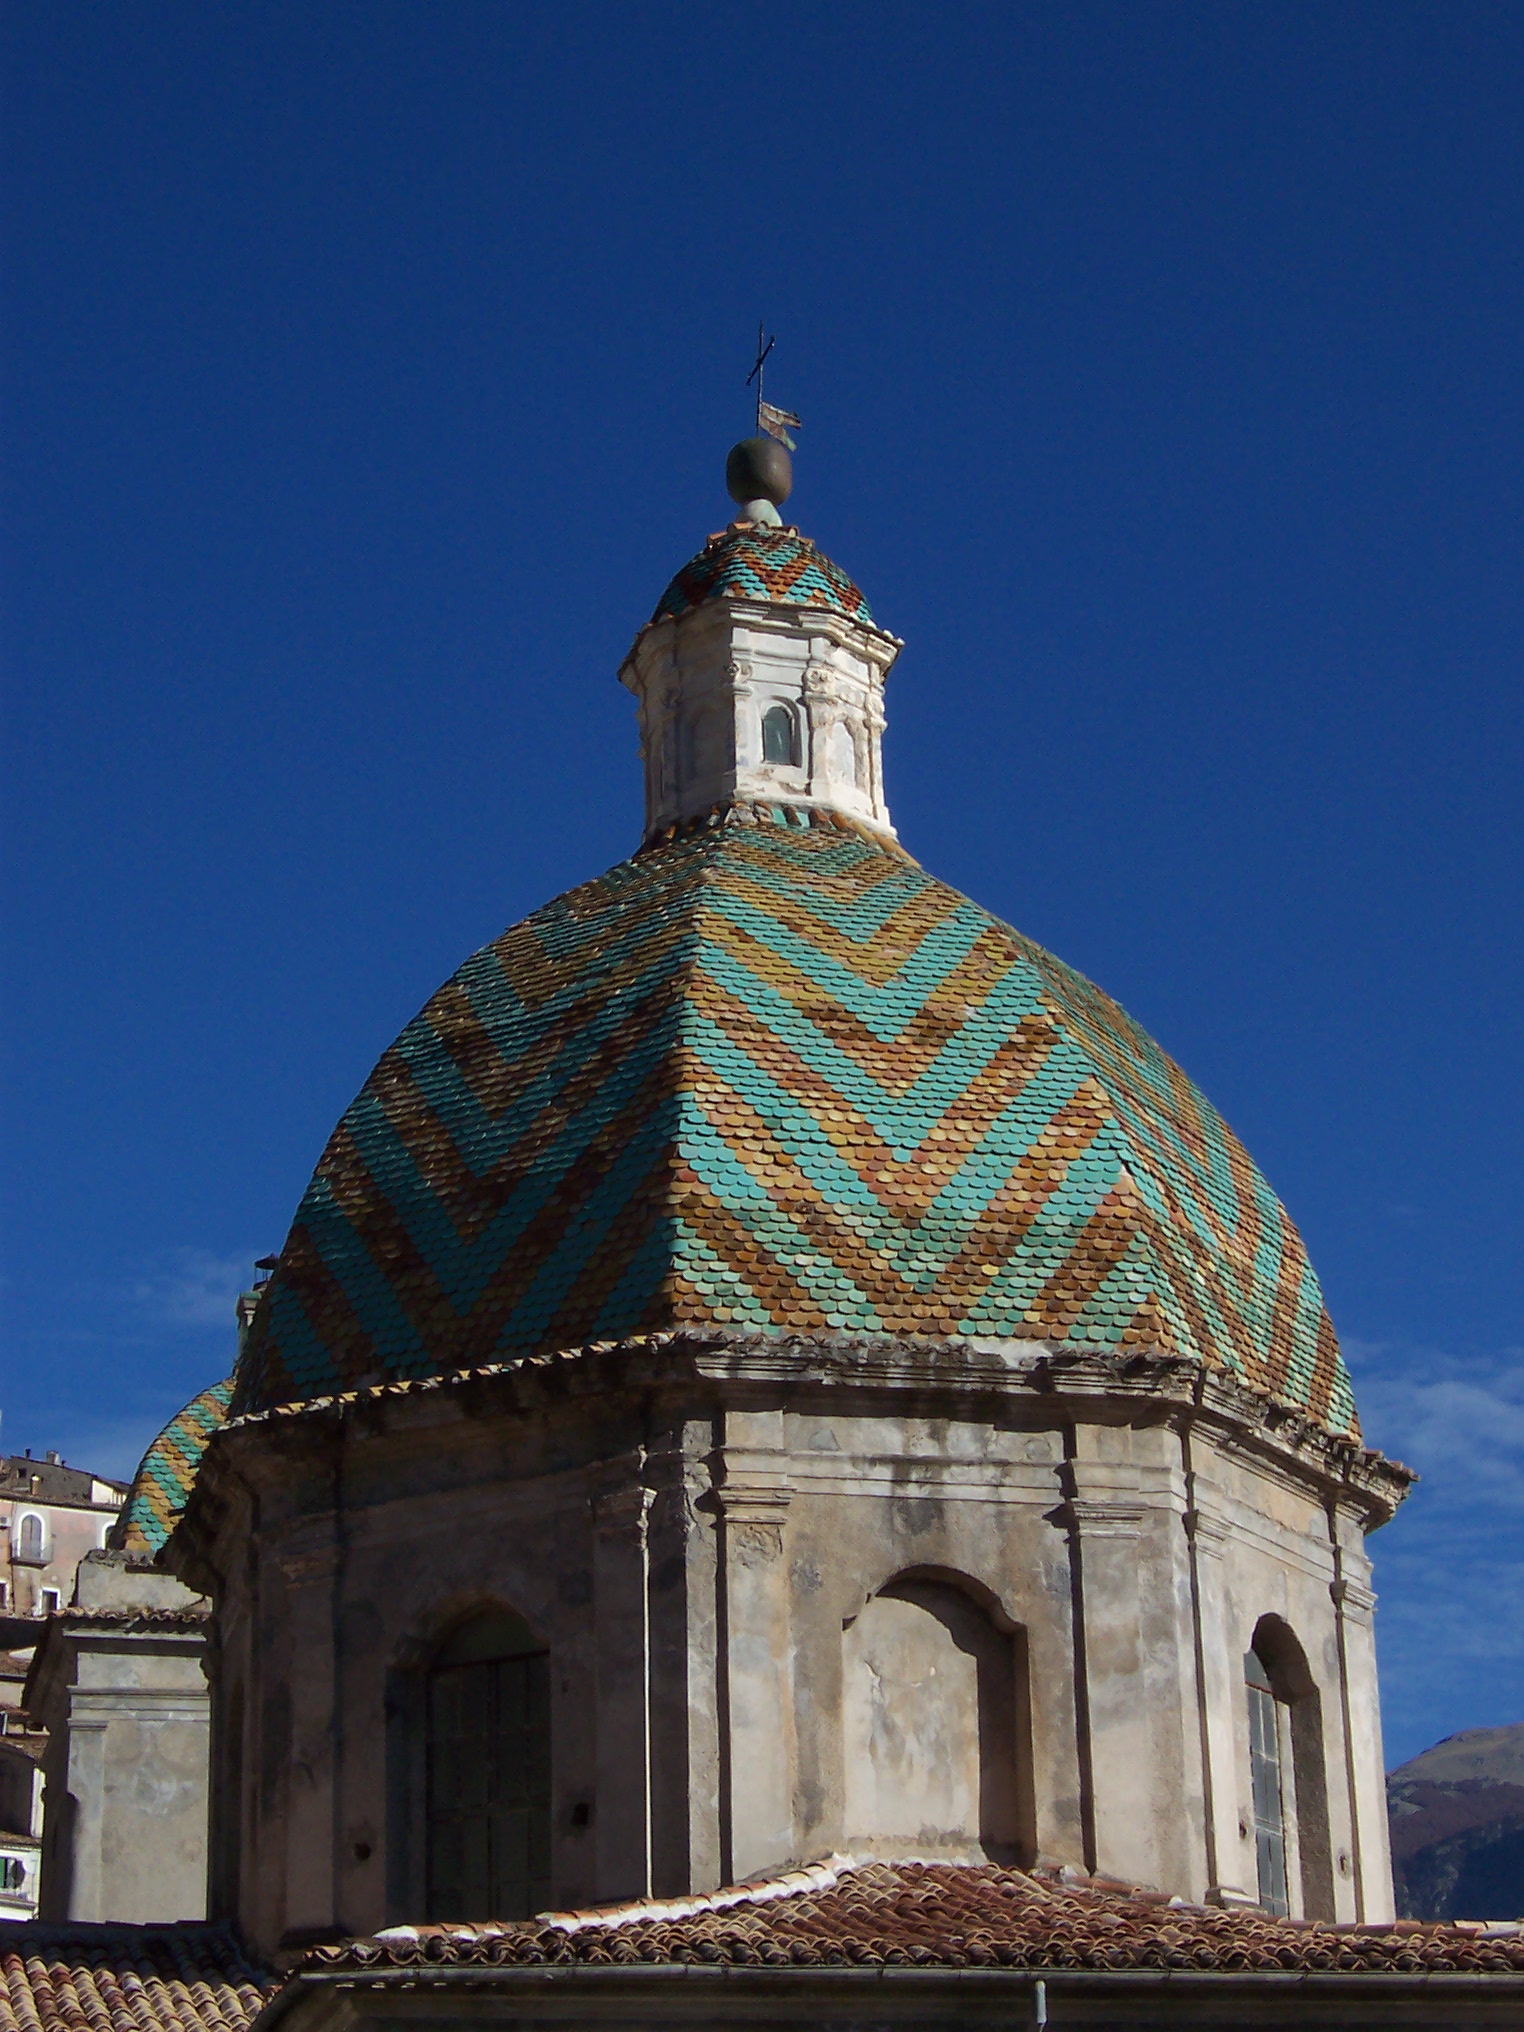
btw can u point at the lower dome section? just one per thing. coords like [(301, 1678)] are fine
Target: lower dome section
[(167, 1473), (769, 1074)]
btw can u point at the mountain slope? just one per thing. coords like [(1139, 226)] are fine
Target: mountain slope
[(1457, 1821)]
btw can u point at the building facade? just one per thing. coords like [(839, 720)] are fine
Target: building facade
[(51, 1515), (21, 1752)]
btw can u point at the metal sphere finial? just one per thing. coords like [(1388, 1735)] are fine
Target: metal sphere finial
[(760, 476)]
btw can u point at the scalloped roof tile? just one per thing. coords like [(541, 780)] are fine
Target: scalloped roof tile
[(167, 1473), (774, 1076), (748, 562)]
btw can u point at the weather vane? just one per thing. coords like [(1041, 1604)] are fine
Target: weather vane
[(776, 422)]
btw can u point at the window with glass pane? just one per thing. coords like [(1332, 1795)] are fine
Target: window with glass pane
[(489, 1787), (1265, 1777), (779, 740)]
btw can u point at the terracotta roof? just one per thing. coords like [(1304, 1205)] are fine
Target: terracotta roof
[(749, 562), (53, 1482), (167, 1473), (187, 1978), (940, 1915), (770, 1076)]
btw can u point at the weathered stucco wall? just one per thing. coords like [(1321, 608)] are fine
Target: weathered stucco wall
[(119, 1684), (790, 1610)]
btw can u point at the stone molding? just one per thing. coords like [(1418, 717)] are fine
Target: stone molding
[(751, 1486), (94, 1706), (1355, 1602), (309, 1569), (1105, 1517), (1208, 1533), (623, 1512), (1062, 1384)]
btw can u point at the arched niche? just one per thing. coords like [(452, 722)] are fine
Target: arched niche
[(708, 744), (1288, 1772), (935, 1724)]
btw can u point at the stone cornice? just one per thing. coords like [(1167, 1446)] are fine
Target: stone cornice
[(715, 615), (1062, 1384)]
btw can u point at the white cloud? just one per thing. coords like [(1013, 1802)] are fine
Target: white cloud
[(192, 1287), (1458, 1420), (1450, 1568), (109, 1446)]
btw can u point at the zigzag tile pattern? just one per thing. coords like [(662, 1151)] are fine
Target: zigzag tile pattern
[(162, 1485), (751, 563), (774, 1076)]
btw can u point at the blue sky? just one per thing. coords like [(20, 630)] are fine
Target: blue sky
[(369, 368)]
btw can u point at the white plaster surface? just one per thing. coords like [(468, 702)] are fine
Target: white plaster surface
[(707, 679)]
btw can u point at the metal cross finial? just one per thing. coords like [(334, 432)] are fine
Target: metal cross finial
[(764, 347), (775, 422)]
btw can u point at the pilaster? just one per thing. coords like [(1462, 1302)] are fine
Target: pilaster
[(1371, 1860), (752, 1491), (86, 1825), (1105, 1515), (622, 1824), (1218, 1673), (1135, 1658), (310, 1572)]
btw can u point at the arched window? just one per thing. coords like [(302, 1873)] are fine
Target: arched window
[(1265, 1785), (29, 1538), (1288, 1784), (780, 737), (489, 1771)]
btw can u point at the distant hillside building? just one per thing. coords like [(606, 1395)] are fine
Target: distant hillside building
[(21, 1813), (51, 1515)]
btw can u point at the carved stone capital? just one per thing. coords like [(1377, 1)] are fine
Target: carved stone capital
[(1105, 1517), (1354, 1602), (751, 1490), (622, 1512), (1233, 1896), (308, 1569), (1208, 1533)]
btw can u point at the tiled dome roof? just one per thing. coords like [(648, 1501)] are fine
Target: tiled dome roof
[(748, 562), (773, 1076), (167, 1473)]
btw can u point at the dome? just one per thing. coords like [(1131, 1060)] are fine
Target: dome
[(755, 563), (167, 1473), (771, 1078)]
